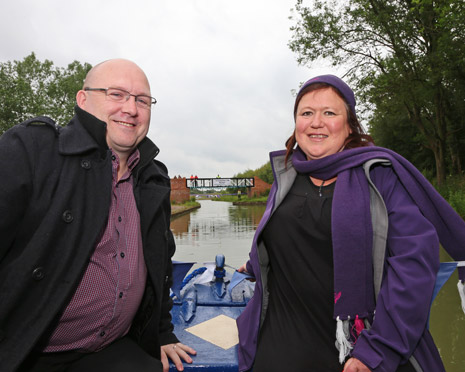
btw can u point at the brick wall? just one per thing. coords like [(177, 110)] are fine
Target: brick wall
[(179, 192), (260, 187)]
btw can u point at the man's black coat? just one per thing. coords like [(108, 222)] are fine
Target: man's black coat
[(55, 189)]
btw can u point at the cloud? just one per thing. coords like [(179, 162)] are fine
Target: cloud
[(221, 71)]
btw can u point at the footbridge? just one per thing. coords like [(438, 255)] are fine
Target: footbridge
[(182, 186), (199, 183)]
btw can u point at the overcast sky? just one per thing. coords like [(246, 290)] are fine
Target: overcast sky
[(221, 70)]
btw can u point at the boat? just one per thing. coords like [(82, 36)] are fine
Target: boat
[(206, 303)]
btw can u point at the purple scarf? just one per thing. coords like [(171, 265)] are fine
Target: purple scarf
[(351, 220)]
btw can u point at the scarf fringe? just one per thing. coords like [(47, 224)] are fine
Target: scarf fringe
[(359, 326), (461, 288), (342, 339)]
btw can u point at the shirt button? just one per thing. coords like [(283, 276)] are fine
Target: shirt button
[(119, 219), (85, 164), (102, 333), (121, 295), (38, 273), (122, 254), (67, 216), (113, 157)]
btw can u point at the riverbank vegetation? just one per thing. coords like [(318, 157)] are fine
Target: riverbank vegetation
[(181, 208), (243, 199), (230, 195), (453, 190), (264, 173)]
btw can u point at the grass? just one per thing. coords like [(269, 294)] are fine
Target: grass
[(234, 198), (179, 208), (191, 203)]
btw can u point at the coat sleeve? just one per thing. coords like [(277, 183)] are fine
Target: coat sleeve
[(166, 326), (16, 184), (410, 268)]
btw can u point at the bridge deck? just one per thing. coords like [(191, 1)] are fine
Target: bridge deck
[(219, 182)]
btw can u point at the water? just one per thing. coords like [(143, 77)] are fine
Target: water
[(216, 227), (220, 227)]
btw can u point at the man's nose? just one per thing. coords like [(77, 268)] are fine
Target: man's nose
[(130, 106)]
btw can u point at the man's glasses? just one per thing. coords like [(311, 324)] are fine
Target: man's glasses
[(121, 95)]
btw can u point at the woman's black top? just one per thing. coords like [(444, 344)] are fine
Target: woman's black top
[(299, 331)]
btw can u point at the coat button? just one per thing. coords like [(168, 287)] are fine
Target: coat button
[(38, 273), (85, 164), (67, 216)]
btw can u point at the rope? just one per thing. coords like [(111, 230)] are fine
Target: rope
[(192, 275)]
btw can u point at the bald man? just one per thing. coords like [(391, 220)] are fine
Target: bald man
[(85, 243)]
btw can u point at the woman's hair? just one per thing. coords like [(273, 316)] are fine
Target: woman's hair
[(358, 137)]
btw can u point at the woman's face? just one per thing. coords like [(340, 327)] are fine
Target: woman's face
[(321, 125)]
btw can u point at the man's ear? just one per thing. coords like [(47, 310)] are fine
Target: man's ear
[(81, 98)]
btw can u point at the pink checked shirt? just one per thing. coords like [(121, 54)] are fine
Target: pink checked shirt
[(111, 289)]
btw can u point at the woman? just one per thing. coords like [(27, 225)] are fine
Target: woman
[(314, 303)]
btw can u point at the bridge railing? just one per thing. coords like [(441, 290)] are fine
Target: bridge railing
[(219, 182)]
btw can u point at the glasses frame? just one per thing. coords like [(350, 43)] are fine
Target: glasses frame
[(153, 101)]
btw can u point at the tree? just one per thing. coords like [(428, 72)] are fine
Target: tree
[(30, 88), (403, 54), (265, 173)]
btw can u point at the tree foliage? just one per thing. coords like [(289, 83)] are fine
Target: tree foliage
[(406, 61), (264, 173), (30, 88)]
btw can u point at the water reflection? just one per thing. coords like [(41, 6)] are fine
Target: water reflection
[(220, 227), (216, 227), (244, 219), (180, 224)]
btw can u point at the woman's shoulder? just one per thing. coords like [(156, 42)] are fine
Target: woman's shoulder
[(383, 176)]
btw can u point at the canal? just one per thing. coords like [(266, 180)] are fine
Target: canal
[(221, 227)]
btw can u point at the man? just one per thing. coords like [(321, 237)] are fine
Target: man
[(85, 244)]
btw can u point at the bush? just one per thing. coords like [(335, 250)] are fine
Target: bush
[(454, 192), (457, 200)]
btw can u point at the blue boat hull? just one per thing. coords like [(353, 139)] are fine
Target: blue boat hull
[(204, 314), (210, 357)]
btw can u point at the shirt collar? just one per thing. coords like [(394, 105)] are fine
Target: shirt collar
[(132, 161)]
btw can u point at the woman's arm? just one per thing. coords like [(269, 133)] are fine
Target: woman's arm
[(410, 272)]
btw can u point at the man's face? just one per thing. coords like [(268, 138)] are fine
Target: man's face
[(127, 123)]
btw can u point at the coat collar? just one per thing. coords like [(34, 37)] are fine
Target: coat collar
[(86, 133)]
